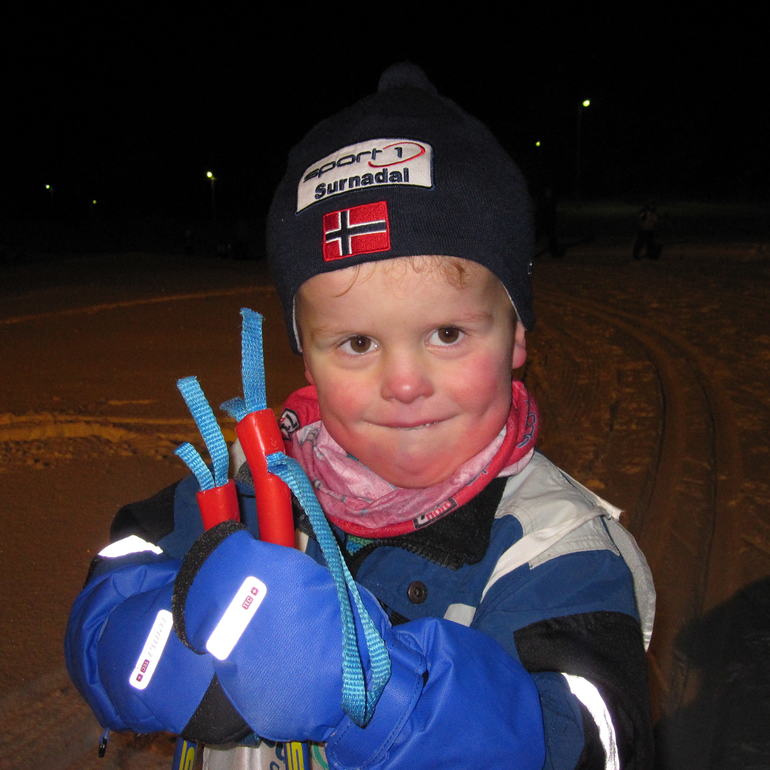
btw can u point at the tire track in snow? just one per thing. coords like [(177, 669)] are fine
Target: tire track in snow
[(44, 425), (155, 300), (689, 510)]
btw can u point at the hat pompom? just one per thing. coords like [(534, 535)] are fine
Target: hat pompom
[(405, 75)]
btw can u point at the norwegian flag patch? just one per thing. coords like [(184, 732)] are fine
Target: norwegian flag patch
[(357, 230)]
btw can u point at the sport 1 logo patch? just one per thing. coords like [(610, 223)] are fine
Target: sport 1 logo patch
[(357, 230), (361, 166)]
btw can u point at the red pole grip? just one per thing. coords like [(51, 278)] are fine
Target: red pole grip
[(218, 504), (259, 436)]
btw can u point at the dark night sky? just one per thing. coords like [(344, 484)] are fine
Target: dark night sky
[(132, 108)]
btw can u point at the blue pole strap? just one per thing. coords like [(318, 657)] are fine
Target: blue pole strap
[(191, 457), (211, 433), (253, 361), (358, 701), (252, 369)]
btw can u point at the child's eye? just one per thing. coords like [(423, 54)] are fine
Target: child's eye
[(358, 345), (446, 335)]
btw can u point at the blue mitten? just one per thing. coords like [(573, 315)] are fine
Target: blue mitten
[(477, 707), (269, 616), (124, 657)]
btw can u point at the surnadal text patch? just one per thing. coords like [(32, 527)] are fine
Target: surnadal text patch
[(357, 230), (361, 166)]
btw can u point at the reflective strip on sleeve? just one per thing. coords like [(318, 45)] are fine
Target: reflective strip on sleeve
[(589, 696), (128, 545)]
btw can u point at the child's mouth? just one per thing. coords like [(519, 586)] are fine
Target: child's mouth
[(417, 426)]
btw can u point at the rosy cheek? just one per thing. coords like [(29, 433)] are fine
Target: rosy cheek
[(340, 401), (484, 381)]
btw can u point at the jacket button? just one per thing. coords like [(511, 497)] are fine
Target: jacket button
[(417, 592)]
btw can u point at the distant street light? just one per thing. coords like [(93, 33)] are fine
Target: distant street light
[(210, 176), (584, 105), (49, 188)]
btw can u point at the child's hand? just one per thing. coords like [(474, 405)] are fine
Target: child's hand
[(269, 615), (128, 663)]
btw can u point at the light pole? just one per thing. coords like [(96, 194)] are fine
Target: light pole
[(584, 105), (49, 188), (210, 176)]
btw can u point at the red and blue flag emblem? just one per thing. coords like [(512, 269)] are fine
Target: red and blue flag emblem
[(357, 230)]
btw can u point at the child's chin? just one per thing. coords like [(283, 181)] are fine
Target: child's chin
[(412, 477)]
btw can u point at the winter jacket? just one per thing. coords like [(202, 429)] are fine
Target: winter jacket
[(536, 562)]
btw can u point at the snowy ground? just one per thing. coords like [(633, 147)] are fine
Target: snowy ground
[(651, 376)]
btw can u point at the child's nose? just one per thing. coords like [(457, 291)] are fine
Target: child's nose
[(405, 378)]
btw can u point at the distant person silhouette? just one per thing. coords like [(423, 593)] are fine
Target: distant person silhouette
[(547, 222), (645, 233)]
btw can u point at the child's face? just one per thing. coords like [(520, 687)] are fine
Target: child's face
[(413, 372)]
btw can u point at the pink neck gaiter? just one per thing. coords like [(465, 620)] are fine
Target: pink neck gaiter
[(361, 503)]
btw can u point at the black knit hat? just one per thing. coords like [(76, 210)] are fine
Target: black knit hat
[(403, 172)]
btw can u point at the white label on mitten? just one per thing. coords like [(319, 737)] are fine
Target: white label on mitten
[(153, 649), (236, 617)]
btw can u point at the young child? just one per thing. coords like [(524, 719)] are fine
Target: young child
[(514, 608)]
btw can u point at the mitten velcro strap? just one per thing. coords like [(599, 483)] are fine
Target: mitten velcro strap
[(197, 555)]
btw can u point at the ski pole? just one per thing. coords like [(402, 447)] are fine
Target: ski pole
[(217, 499), (257, 430), (258, 433), (259, 436)]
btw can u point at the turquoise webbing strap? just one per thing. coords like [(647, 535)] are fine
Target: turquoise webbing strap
[(212, 436), (358, 701), (252, 369), (253, 361)]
